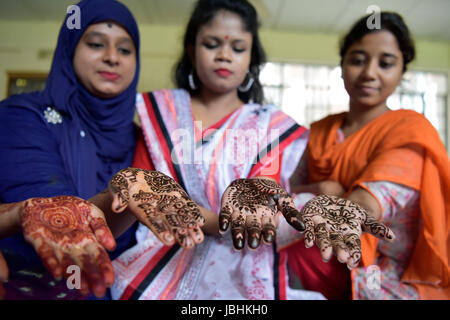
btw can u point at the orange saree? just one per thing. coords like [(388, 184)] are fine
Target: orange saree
[(383, 150)]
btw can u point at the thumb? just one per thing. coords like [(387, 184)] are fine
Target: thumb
[(100, 228), (120, 201), (378, 229), (118, 187), (290, 212)]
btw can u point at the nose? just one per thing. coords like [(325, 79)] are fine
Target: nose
[(370, 70), (111, 56), (224, 54)]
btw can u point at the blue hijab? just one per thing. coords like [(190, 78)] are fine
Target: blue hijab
[(97, 136), (89, 159)]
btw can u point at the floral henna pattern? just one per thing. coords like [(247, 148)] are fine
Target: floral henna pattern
[(66, 231), (160, 203), (333, 222), (119, 185), (250, 206)]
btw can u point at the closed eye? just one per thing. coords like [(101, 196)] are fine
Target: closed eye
[(211, 45), (125, 51), (239, 50), (95, 45)]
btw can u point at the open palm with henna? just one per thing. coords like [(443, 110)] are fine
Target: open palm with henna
[(160, 203), (250, 207), (336, 225), (67, 231)]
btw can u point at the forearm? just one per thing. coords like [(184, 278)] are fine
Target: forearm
[(328, 187), (117, 222), (10, 218), (306, 188), (366, 200)]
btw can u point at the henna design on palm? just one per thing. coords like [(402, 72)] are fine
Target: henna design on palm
[(67, 231), (160, 203), (250, 207), (336, 225)]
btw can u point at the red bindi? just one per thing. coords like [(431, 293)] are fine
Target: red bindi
[(226, 37)]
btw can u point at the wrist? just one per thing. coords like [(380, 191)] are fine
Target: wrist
[(211, 225), (367, 202)]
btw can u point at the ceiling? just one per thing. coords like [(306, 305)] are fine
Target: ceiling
[(427, 19)]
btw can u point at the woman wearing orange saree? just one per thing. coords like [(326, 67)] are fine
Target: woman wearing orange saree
[(393, 164)]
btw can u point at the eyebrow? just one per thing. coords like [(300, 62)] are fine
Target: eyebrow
[(95, 33), (211, 37), (100, 34), (385, 54)]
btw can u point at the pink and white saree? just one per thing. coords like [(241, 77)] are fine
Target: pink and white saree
[(254, 140)]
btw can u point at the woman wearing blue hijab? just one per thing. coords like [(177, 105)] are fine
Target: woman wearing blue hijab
[(71, 138)]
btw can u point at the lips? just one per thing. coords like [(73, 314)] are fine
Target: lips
[(224, 73), (368, 89), (109, 75)]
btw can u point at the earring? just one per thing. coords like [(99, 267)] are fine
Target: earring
[(191, 81), (249, 83)]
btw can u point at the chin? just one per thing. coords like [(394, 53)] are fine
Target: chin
[(224, 89), (107, 93)]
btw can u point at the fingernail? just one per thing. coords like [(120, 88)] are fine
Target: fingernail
[(224, 225), (189, 243), (269, 237), (300, 226), (341, 260), (238, 244), (254, 243)]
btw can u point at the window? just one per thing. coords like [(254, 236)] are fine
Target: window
[(310, 92)]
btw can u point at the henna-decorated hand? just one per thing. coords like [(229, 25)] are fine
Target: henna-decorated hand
[(160, 203), (336, 225), (250, 206), (67, 230), (3, 275)]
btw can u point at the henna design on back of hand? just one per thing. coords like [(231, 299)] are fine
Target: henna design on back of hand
[(250, 206)]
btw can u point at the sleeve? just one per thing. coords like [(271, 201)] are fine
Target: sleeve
[(391, 197), (400, 212), (142, 158), (30, 161)]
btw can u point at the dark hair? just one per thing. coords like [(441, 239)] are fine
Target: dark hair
[(389, 21), (204, 12)]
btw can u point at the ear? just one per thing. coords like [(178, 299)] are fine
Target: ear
[(191, 54)]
